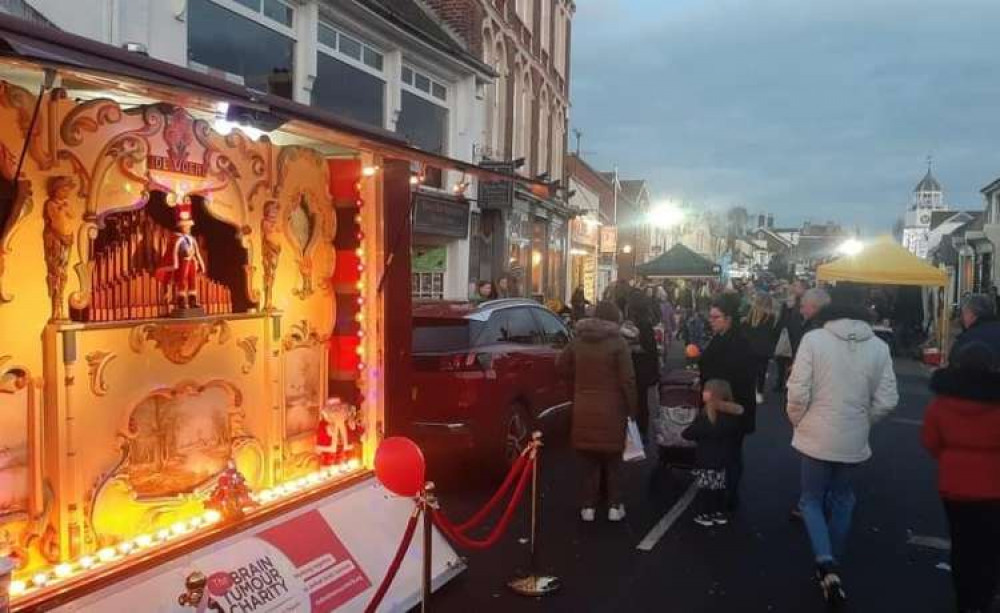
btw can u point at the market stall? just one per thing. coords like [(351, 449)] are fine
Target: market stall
[(885, 262), (198, 355), (680, 262)]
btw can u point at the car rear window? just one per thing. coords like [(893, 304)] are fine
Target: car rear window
[(444, 335)]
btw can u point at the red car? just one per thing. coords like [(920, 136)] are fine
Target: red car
[(485, 375)]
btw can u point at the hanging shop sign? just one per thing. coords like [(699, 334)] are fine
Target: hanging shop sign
[(440, 216), (497, 194), (609, 239)]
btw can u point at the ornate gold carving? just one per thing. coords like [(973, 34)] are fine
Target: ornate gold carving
[(58, 240), (179, 342), (301, 335), (249, 347), (80, 299), (301, 229), (22, 207), (89, 117), (97, 362), (270, 233)]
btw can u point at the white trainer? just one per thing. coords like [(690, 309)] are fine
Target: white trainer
[(587, 514), (616, 513), (760, 398)]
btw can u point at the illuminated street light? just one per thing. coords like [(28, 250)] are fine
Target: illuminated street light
[(666, 215), (626, 249), (851, 246)]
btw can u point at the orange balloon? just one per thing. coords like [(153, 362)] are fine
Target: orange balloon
[(692, 351)]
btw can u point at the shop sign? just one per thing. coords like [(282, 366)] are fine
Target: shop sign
[(440, 216), (429, 259), (584, 233), (609, 239), (497, 194), (166, 164)]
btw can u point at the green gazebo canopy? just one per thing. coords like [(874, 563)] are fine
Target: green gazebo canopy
[(679, 262)]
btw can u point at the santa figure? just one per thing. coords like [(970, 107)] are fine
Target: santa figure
[(182, 263)]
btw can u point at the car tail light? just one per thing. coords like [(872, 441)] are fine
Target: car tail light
[(464, 362)]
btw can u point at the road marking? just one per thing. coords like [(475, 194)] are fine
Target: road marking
[(931, 542), (661, 527), (906, 421)]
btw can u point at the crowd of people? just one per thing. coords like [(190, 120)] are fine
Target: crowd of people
[(837, 379)]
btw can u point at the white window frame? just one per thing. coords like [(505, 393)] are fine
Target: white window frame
[(340, 56), (262, 19), (415, 288), (429, 96)]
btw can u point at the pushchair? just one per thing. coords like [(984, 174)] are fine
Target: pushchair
[(678, 407)]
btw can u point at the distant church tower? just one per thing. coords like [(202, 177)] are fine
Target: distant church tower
[(927, 197)]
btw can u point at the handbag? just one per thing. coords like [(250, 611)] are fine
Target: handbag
[(784, 347), (634, 451)]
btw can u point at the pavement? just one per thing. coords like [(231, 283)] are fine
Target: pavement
[(760, 562)]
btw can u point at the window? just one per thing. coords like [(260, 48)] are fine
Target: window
[(349, 77), (424, 83), (348, 91), (423, 123), (553, 330), (427, 285), (334, 42), (258, 54), (443, 335), (512, 326), (544, 23), (275, 10)]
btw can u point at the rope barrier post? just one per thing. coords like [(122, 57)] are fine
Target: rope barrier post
[(535, 584), (429, 502)]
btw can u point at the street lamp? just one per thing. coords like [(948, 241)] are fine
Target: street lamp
[(851, 247), (666, 215), (627, 249)]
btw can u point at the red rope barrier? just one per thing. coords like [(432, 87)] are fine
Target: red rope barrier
[(481, 514), (452, 533), (397, 561)]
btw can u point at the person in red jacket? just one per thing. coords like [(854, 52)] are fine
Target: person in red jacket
[(962, 431)]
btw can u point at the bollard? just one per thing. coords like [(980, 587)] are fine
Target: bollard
[(534, 585)]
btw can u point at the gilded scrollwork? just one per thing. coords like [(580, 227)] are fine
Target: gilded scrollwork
[(58, 239), (270, 236), (249, 346), (97, 363), (88, 118), (80, 299), (301, 334), (179, 342)]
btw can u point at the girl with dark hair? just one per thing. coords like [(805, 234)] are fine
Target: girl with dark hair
[(962, 431), (729, 357)]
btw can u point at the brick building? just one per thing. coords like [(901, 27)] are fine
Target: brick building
[(527, 44)]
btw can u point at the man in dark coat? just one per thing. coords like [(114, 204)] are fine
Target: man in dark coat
[(729, 357), (979, 321)]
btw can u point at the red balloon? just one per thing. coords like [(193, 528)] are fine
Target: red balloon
[(400, 466)]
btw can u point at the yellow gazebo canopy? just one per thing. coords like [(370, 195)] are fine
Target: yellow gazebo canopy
[(883, 262)]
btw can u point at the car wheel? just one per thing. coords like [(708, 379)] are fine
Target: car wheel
[(516, 433)]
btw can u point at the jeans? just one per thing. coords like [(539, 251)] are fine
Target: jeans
[(827, 504), (975, 551), (597, 464)]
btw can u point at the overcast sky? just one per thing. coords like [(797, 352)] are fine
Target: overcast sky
[(810, 109)]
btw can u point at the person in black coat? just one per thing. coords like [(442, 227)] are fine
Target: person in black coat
[(715, 430), (645, 357), (729, 357)]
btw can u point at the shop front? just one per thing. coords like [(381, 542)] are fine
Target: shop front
[(206, 337), (522, 239), (440, 247), (584, 239)]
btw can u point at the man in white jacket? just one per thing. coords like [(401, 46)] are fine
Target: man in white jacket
[(842, 382)]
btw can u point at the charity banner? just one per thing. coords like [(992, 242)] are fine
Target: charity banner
[(326, 557)]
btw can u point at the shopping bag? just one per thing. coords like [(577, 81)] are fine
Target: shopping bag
[(784, 347), (634, 451)]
